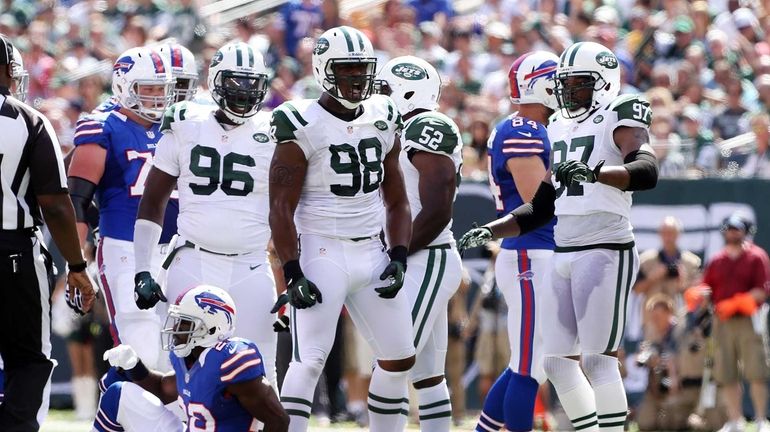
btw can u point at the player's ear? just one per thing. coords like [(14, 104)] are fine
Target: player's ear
[(7, 71)]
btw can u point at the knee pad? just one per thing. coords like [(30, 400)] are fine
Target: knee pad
[(601, 369)]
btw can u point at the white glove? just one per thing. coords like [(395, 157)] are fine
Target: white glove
[(122, 356)]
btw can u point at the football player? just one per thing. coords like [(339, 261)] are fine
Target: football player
[(111, 160), (20, 76), (335, 163), (519, 155), (219, 379), (601, 155), (218, 160), (430, 159)]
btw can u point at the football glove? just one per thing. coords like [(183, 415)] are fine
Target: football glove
[(395, 271), (476, 236), (122, 356), (578, 172), (74, 300), (281, 323), (302, 292), (147, 292)]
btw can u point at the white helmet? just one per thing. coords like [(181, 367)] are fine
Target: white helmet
[(183, 69), (20, 76), (531, 79), (201, 317), (342, 46), (238, 80), (411, 82), (137, 67), (595, 62)]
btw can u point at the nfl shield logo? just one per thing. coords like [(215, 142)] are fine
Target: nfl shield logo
[(151, 134), (350, 129)]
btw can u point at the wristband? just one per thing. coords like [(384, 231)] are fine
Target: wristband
[(138, 372), (399, 254), (77, 268), (292, 270)]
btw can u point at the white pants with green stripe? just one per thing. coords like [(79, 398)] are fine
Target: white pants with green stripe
[(432, 277), (585, 300)]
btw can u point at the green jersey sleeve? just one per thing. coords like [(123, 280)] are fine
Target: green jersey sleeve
[(632, 111), (174, 113), (433, 134)]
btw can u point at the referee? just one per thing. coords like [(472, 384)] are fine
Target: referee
[(32, 189)]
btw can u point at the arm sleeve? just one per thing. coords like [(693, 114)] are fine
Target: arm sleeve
[(432, 135), (521, 141), (166, 156), (47, 175), (91, 130)]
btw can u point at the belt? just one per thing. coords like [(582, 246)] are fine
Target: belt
[(188, 244), (440, 246)]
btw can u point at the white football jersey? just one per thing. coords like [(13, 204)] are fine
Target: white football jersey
[(221, 176), (431, 132), (340, 196), (591, 213)]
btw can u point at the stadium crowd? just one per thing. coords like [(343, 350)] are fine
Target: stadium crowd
[(703, 65)]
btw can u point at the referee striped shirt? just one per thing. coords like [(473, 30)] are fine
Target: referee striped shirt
[(30, 163)]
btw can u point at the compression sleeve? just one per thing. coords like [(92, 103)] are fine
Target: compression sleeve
[(81, 193), (531, 216), (642, 167), (146, 236)]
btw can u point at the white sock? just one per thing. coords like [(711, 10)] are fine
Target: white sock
[(84, 397), (388, 402), (603, 372), (435, 408), (356, 406), (575, 393), (297, 394)]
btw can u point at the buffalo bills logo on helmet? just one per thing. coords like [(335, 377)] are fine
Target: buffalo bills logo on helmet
[(213, 304), (124, 64), (527, 275), (545, 70)]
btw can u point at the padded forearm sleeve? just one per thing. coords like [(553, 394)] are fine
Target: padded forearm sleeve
[(81, 193), (642, 167), (146, 236), (531, 216)]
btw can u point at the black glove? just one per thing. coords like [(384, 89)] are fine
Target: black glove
[(476, 236), (578, 172), (147, 292), (396, 271), (302, 293), (281, 323)]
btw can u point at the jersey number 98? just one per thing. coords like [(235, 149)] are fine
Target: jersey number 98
[(360, 163)]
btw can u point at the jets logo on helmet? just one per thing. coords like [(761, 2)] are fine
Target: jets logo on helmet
[(201, 317), (587, 78), (411, 82), (238, 81), (344, 65), (531, 78), (142, 83)]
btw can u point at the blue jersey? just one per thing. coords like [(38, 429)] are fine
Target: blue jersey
[(518, 137), (130, 148), (109, 104), (299, 21), (203, 388)]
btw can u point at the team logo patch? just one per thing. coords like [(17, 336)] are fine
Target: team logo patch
[(321, 46), (607, 59), (409, 71), (527, 275), (381, 125), (598, 119), (350, 129), (212, 304), (150, 134), (260, 137), (124, 64), (217, 58)]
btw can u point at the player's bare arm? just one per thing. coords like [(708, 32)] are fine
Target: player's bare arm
[(437, 187), (258, 398), (157, 192), (287, 175), (161, 385), (85, 172), (398, 216)]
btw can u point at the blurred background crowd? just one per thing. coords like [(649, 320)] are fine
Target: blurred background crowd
[(703, 65)]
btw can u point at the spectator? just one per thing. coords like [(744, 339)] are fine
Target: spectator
[(432, 10), (739, 281), (758, 162), (300, 19), (730, 122), (666, 144), (705, 153)]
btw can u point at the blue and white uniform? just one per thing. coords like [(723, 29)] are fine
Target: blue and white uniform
[(523, 261), (202, 392), (130, 148)]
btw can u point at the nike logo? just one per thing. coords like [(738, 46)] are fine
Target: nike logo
[(526, 134), (251, 267)]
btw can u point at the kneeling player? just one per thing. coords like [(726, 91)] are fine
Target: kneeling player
[(220, 380)]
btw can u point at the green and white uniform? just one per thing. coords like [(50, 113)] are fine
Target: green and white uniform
[(434, 273), (339, 219), (595, 253), (222, 175)]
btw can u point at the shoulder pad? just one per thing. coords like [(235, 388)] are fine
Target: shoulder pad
[(433, 132), (285, 122), (239, 359), (175, 113), (632, 109), (90, 129), (394, 116)]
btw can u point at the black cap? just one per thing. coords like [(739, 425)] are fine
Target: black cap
[(6, 50)]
